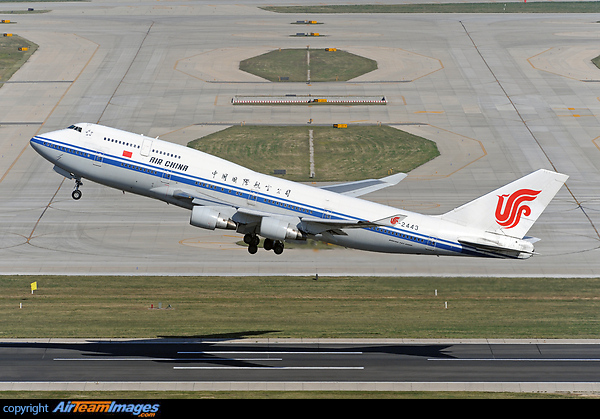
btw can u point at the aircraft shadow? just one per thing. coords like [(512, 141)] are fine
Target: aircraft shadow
[(194, 349)]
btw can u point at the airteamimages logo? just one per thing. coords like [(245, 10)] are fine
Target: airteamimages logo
[(509, 211), (141, 410)]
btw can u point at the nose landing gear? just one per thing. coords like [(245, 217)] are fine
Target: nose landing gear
[(76, 194)]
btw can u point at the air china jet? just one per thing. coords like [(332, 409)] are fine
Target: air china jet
[(224, 195)]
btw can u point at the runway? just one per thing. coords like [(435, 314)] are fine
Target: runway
[(393, 365)]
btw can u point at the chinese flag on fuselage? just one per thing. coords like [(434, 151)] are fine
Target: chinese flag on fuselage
[(127, 153)]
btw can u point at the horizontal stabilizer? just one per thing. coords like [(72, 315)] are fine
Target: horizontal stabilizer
[(363, 187), (507, 246)]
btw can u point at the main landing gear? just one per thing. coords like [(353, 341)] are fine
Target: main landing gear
[(76, 194), (252, 241)]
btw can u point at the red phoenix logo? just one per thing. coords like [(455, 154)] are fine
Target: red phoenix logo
[(509, 211), (395, 220)]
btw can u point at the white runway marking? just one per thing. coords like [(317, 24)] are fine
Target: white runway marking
[(272, 352), (268, 368), (518, 359), (167, 359)]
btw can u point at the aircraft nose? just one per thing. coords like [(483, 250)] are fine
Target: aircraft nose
[(34, 143), (37, 143)]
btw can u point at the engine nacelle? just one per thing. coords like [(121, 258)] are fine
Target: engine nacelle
[(276, 229), (210, 219)]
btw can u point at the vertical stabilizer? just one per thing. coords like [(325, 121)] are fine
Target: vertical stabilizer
[(511, 209)]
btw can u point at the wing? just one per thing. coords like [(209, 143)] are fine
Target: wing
[(308, 225), (354, 189), (198, 198), (316, 226), (363, 187)]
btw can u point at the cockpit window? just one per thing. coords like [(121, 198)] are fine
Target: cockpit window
[(75, 127)]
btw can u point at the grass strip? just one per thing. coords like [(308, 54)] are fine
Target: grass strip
[(299, 307), (11, 59), (499, 7)]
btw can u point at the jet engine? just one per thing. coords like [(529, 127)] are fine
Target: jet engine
[(210, 219), (276, 229)]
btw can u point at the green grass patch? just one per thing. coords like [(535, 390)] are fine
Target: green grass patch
[(11, 59), (24, 12), (338, 65), (596, 61), (499, 7), (292, 65), (295, 307), (348, 154)]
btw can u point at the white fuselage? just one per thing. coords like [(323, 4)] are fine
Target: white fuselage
[(162, 170)]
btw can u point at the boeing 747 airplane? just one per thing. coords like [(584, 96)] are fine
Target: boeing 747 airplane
[(224, 195)]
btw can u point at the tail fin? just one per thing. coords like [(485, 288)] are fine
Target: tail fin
[(511, 209)]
